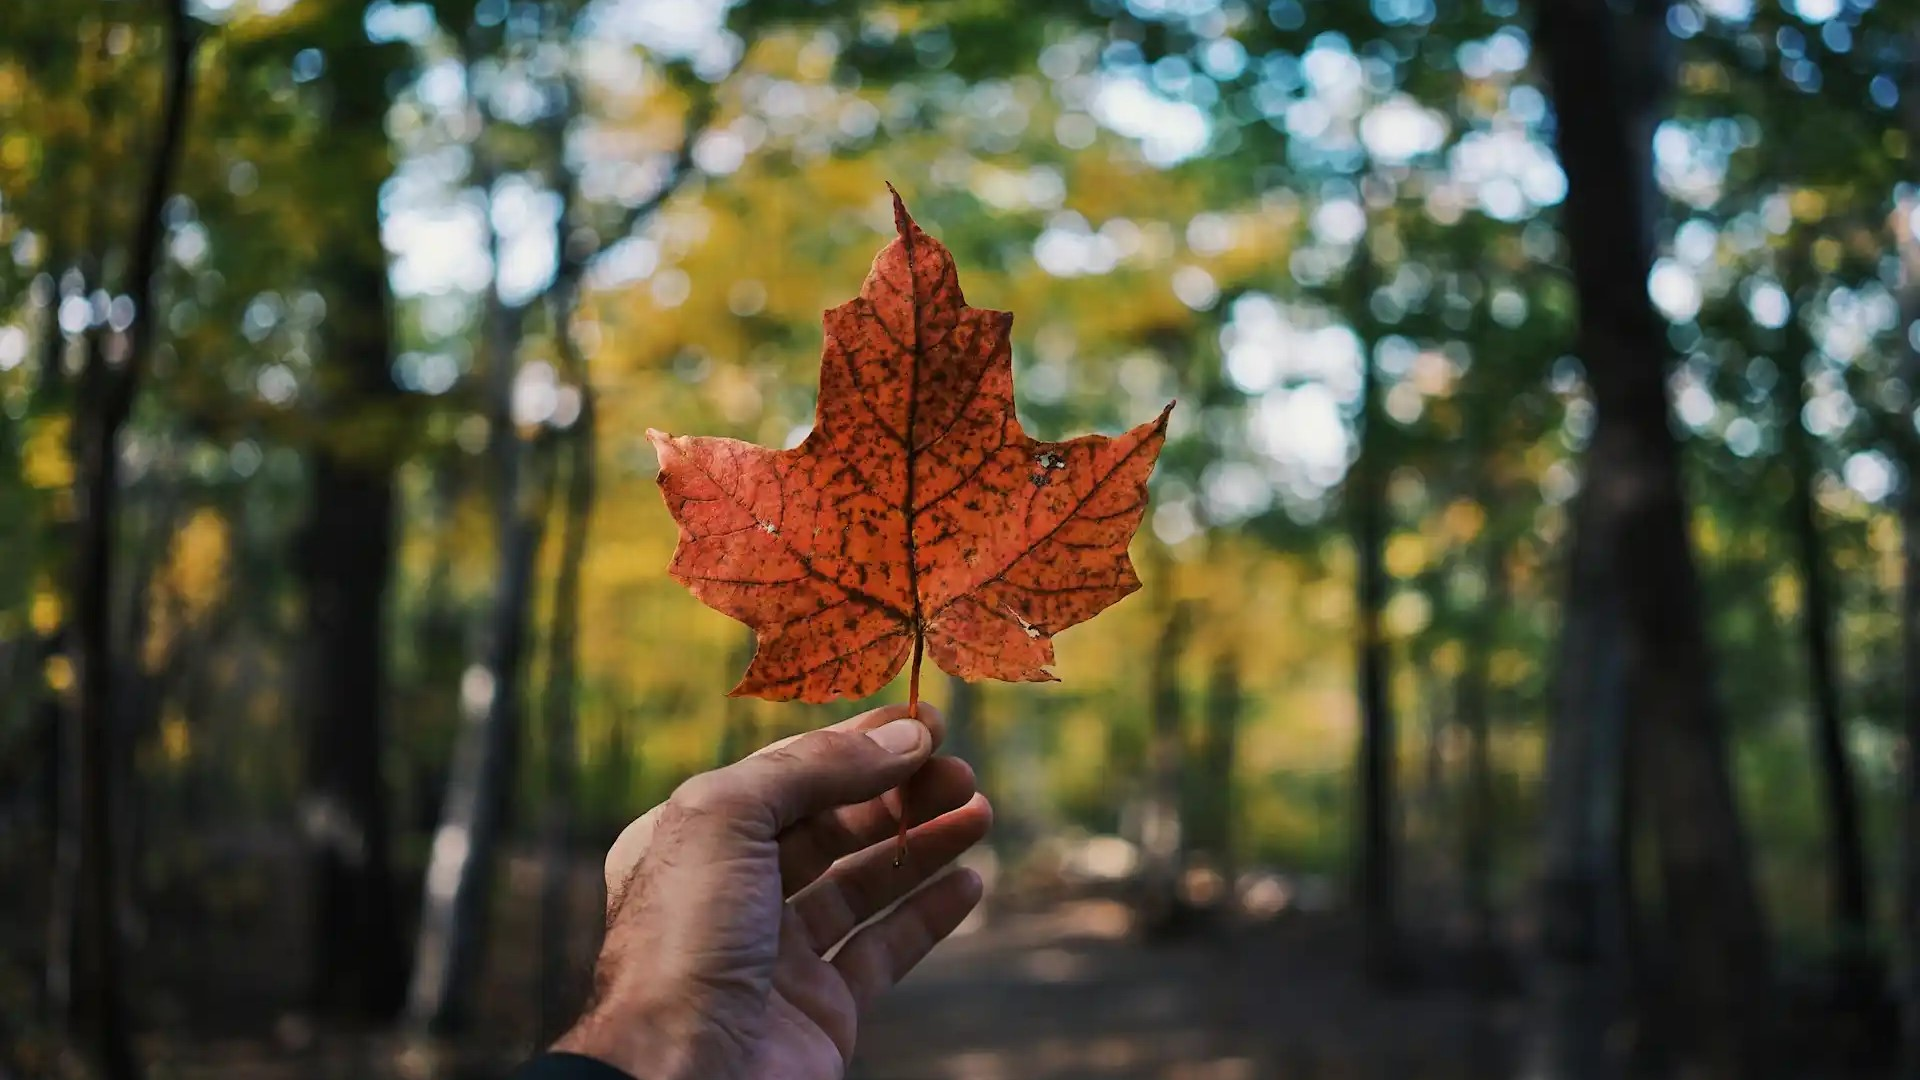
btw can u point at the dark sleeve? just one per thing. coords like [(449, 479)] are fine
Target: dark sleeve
[(567, 1067)]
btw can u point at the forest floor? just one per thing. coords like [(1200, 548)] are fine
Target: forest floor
[(1045, 987), (1066, 991), (1049, 983)]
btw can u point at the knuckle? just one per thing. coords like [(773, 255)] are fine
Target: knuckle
[(788, 757), (829, 745), (699, 796)]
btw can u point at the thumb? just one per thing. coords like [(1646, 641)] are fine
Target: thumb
[(768, 792)]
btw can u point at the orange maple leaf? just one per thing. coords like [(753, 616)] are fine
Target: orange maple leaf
[(916, 513)]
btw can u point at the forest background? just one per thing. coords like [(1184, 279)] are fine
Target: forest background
[(1532, 579)]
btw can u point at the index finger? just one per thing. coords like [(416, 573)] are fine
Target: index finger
[(632, 841), (929, 715)]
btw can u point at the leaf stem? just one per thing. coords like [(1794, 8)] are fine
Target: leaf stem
[(913, 711)]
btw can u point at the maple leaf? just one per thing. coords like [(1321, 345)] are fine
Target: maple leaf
[(916, 513)]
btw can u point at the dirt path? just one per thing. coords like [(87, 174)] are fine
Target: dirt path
[(1065, 993)]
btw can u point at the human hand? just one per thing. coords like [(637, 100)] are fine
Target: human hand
[(725, 901)]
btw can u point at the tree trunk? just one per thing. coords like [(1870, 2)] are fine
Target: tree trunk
[(1375, 843), (1847, 880), (1909, 920), (108, 385), (442, 635), (1474, 698), (459, 883), (344, 560), (453, 923), (557, 970), (1608, 73), (1433, 763), (51, 388), (1163, 825), (1583, 898), (99, 977), (1219, 757)]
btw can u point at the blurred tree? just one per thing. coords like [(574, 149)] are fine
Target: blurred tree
[(1376, 843), (1474, 690), (1164, 826), (474, 814), (116, 354), (345, 548), (558, 967), (1848, 887), (1908, 246), (1608, 73)]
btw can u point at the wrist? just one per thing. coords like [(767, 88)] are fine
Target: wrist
[(644, 1043)]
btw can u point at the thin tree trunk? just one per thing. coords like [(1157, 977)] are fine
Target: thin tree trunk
[(1220, 756), (50, 390), (460, 868), (344, 559), (1376, 845), (1582, 898), (140, 692), (1847, 880), (453, 924), (556, 967), (1163, 828), (63, 841), (453, 927), (1475, 692), (1433, 763), (108, 385), (442, 643), (1909, 919), (1608, 72)]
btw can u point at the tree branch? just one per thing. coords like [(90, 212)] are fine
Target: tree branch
[(699, 116), (145, 263)]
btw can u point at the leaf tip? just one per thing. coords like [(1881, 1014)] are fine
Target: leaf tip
[(902, 221)]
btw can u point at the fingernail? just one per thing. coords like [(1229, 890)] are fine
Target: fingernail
[(900, 737)]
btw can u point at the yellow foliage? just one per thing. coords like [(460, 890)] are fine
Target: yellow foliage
[(46, 612), (1808, 205), (200, 554), (176, 739), (59, 674), (1707, 536), (1463, 520), (1406, 555), (1784, 594), (16, 151), (1509, 667), (1704, 77), (1406, 614), (1826, 254), (46, 461), (189, 583)]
